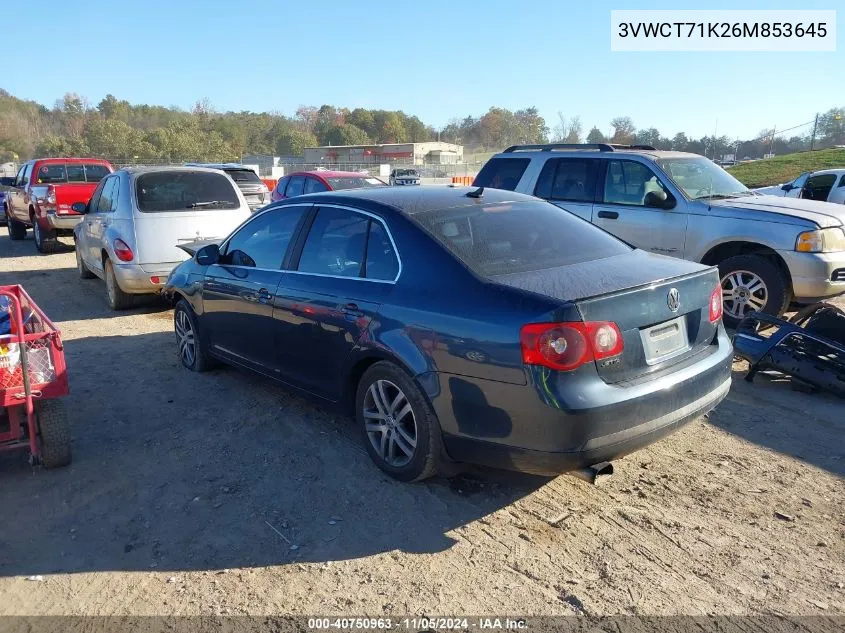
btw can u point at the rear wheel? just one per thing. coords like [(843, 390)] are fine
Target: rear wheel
[(53, 433), (118, 300), (45, 241), (400, 430), (17, 230), (190, 348), (751, 283)]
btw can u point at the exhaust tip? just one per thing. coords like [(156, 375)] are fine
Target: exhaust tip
[(595, 474)]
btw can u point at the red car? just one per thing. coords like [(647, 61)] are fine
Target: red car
[(43, 192), (303, 182)]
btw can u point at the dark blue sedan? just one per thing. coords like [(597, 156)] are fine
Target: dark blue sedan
[(459, 324)]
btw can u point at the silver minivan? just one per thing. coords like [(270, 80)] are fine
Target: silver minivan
[(138, 216)]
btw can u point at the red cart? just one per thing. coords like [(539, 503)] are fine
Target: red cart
[(32, 376)]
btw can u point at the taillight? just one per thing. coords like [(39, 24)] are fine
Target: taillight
[(122, 250), (716, 304), (567, 346), (51, 194)]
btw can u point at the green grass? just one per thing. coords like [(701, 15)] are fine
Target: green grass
[(772, 171)]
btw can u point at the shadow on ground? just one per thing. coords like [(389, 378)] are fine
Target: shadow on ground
[(178, 471)]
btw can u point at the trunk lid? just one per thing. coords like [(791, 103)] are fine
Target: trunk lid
[(632, 290), (158, 235)]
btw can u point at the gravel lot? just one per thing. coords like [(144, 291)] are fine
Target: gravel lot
[(222, 493)]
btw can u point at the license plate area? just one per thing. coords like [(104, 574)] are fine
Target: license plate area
[(665, 340)]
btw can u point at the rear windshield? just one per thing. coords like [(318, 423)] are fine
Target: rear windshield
[(185, 190), (502, 173), (244, 175), (52, 173), (354, 182), (512, 237)]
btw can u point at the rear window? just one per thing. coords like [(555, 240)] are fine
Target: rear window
[(185, 190), (354, 182), (502, 173), (244, 175), (52, 173), (513, 237)]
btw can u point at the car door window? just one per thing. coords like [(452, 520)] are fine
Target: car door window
[(19, 178), (263, 241), (295, 186), (104, 204), (842, 181), (570, 179), (312, 185), (627, 182), (382, 263), (95, 197), (27, 173), (799, 182), (335, 244), (818, 187), (502, 173)]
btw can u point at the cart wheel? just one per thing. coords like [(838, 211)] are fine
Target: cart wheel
[(53, 432)]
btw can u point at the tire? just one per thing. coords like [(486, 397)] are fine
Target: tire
[(45, 241), (191, 351), (53, 433), (81, 268), (427, 456), (17, 230), (740, 275), (117, 299)]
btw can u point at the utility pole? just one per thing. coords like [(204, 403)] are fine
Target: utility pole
[(772, 141), (813, 137)]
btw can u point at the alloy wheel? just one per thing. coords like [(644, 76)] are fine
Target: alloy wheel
[(743, 292), (185, 338), (390, 423)]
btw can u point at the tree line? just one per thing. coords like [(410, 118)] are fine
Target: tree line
[(117, 129)]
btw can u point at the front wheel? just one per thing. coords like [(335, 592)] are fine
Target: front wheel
[(17, 230), (401, 432), (751, 283)]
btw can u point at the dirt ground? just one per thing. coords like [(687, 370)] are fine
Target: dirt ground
[(221, 493)]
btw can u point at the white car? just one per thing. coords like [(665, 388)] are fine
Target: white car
[(138, 216), (404, 176), (827, 185)]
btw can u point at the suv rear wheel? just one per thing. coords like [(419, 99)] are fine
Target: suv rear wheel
[(751, 283), (118, 300), (45, 241)]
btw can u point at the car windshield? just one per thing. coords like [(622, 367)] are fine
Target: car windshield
[(406, 172), (184, 191), (244, 175), (512, 237), (353, 182), (53, 173), (701, 178)]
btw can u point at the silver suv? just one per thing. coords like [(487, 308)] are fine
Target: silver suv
[(770, 251)]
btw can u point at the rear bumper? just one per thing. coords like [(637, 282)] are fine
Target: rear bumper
[(136, 278), (60, 222), (573, 421), (814, 275)]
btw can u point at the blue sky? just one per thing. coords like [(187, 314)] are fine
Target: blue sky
[(436, 59)]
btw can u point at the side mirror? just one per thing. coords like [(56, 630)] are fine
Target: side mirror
[(79, 207), (788, 186), (659, 200), (208, 255)]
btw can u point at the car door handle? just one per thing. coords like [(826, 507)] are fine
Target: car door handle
[(351, 309), (264, 296), (609, 215)]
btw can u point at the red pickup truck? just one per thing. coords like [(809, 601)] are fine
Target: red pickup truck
[(43, 192)]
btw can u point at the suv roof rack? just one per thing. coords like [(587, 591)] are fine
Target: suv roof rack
[(548, 147)]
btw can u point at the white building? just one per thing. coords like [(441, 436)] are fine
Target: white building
[(400, 153)]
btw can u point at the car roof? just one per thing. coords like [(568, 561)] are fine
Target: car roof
[(97, 161), (219, 165), (416, 200), (827, 171), (331, 174), (147, 169), (652, 154)]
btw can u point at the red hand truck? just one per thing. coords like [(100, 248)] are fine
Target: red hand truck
[(33, 375)]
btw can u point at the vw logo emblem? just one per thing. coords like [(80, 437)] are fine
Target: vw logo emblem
[(673, 299)]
